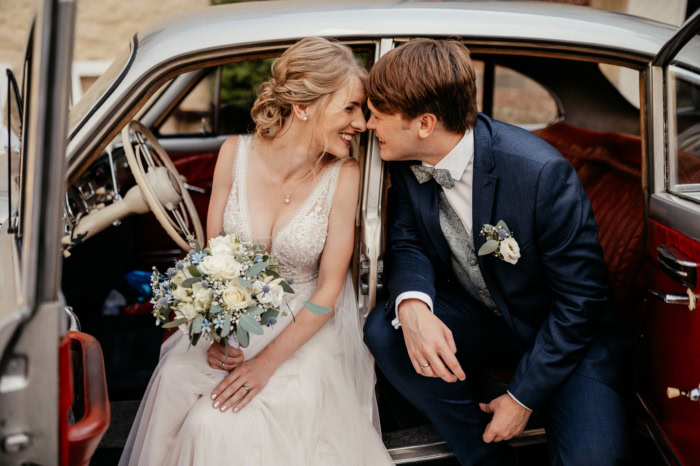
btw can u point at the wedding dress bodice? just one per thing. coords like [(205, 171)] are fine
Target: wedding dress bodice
[(299, 243)]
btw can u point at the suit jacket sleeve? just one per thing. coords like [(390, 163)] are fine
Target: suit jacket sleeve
[(410, 268), (572, 259)]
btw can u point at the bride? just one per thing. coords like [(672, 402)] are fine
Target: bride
[(301, 393)]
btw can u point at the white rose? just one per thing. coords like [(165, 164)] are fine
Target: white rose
[(223, 266), (187, 310), (236, 297), (181, 294), (269, 293), (202, 299), (222, 245), (510, 250)]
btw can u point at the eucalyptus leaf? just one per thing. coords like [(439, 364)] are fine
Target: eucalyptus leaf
[(488, 247), (195, 338), (197, 246), (316, 309), (191, 281), (269, 314), (197, 324), (242, 337), (501, 223), (175, 323), (255, 311), (285, 286), (244, 283), (226, 327), (194, 271), (215, 309), (249, 324), (273, 273), (488, 227), (254, 270)]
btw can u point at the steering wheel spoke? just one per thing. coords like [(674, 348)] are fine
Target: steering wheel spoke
[(161, 185)]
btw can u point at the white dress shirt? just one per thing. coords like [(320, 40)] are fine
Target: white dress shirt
[(460, 163)]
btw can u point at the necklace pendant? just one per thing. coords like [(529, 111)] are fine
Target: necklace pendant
[(286, 200)]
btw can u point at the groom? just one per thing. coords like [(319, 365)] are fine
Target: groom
[(535, 298)]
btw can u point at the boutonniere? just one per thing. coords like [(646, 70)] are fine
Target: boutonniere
[(499, 242)]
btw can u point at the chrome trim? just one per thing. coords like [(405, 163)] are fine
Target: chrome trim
[(671, 298), (674, 257), (439, 450), (655, 129), (676, 213)]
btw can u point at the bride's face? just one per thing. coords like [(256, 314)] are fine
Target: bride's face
[(341, 120)]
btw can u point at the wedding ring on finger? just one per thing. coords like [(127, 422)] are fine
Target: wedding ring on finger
[(427, 364), (222, 365), (246, 388)]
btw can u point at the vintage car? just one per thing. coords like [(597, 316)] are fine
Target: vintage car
[(618, 96)]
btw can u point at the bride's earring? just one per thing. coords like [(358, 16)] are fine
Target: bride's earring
[(305, 118)]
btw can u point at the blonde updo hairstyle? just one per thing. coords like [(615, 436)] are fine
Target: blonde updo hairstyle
[(306, 73)]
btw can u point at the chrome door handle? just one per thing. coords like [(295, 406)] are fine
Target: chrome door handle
[(692, 394), (677, 298), (677, 265)]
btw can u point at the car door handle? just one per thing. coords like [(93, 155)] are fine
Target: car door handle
[(668, 298), (677, 265), (693, 394)]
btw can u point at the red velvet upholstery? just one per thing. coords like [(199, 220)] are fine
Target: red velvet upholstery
[(609, 166)]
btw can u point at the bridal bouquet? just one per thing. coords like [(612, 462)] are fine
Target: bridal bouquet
[(223, 292)]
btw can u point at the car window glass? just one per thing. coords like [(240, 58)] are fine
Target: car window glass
[(239, 82), (685, 90), (521, 101), (9, 152)]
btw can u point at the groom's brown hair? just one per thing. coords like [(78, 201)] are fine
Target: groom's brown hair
[(426, 76)]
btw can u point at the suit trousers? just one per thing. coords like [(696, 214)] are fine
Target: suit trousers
[(586, 421)]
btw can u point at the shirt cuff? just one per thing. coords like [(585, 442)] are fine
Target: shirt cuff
[(410, 295), (516, 400)]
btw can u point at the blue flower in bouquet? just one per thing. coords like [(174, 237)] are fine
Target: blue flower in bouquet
[(502, 233), (271, 321), (206, 326), (171, 272), (180, 265), (218, 322), (164, 301), (196, 257), (289, 280), (258, 258), (206, 284)]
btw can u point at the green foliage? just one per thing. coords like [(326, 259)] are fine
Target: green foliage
[(256, 269), (488, 247), (242, 336), (175, 323)]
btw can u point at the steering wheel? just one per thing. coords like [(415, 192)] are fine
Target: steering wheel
[(161, 185)]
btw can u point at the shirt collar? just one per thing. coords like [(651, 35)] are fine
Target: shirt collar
[(458, 158)]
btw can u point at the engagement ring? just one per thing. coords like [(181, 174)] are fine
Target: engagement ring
[(246, 388), (222, 365), (425, 365)]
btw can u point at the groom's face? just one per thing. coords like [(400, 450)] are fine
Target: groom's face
[(397, 137)]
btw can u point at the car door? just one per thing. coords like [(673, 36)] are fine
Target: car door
[(41, 392), (670, 349)]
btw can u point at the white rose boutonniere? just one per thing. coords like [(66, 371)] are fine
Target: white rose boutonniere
[(500, 242)]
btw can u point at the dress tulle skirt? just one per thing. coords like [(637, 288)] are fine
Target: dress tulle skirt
[(317, 409)]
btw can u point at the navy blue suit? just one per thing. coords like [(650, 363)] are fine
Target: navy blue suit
[(557, 327)]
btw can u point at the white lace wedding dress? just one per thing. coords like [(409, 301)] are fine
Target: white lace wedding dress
[(317, 409)]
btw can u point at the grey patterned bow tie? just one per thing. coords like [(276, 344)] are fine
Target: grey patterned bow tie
[(440, 175)]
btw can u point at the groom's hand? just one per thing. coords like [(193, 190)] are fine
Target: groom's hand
[(429, 342), (509, 418)]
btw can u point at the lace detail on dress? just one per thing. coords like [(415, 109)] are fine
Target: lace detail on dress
[(299, 243)]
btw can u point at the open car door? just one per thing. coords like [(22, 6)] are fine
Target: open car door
[(670, 364), (52, 410)]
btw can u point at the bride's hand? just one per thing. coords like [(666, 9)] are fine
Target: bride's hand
[(217, 358), (241, 385)]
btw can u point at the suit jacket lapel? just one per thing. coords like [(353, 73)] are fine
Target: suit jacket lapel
[(483, 184), (430, 213)]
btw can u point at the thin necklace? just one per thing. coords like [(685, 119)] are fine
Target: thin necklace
[(279, 179)]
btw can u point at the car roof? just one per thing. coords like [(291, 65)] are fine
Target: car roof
[(254, 22)]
